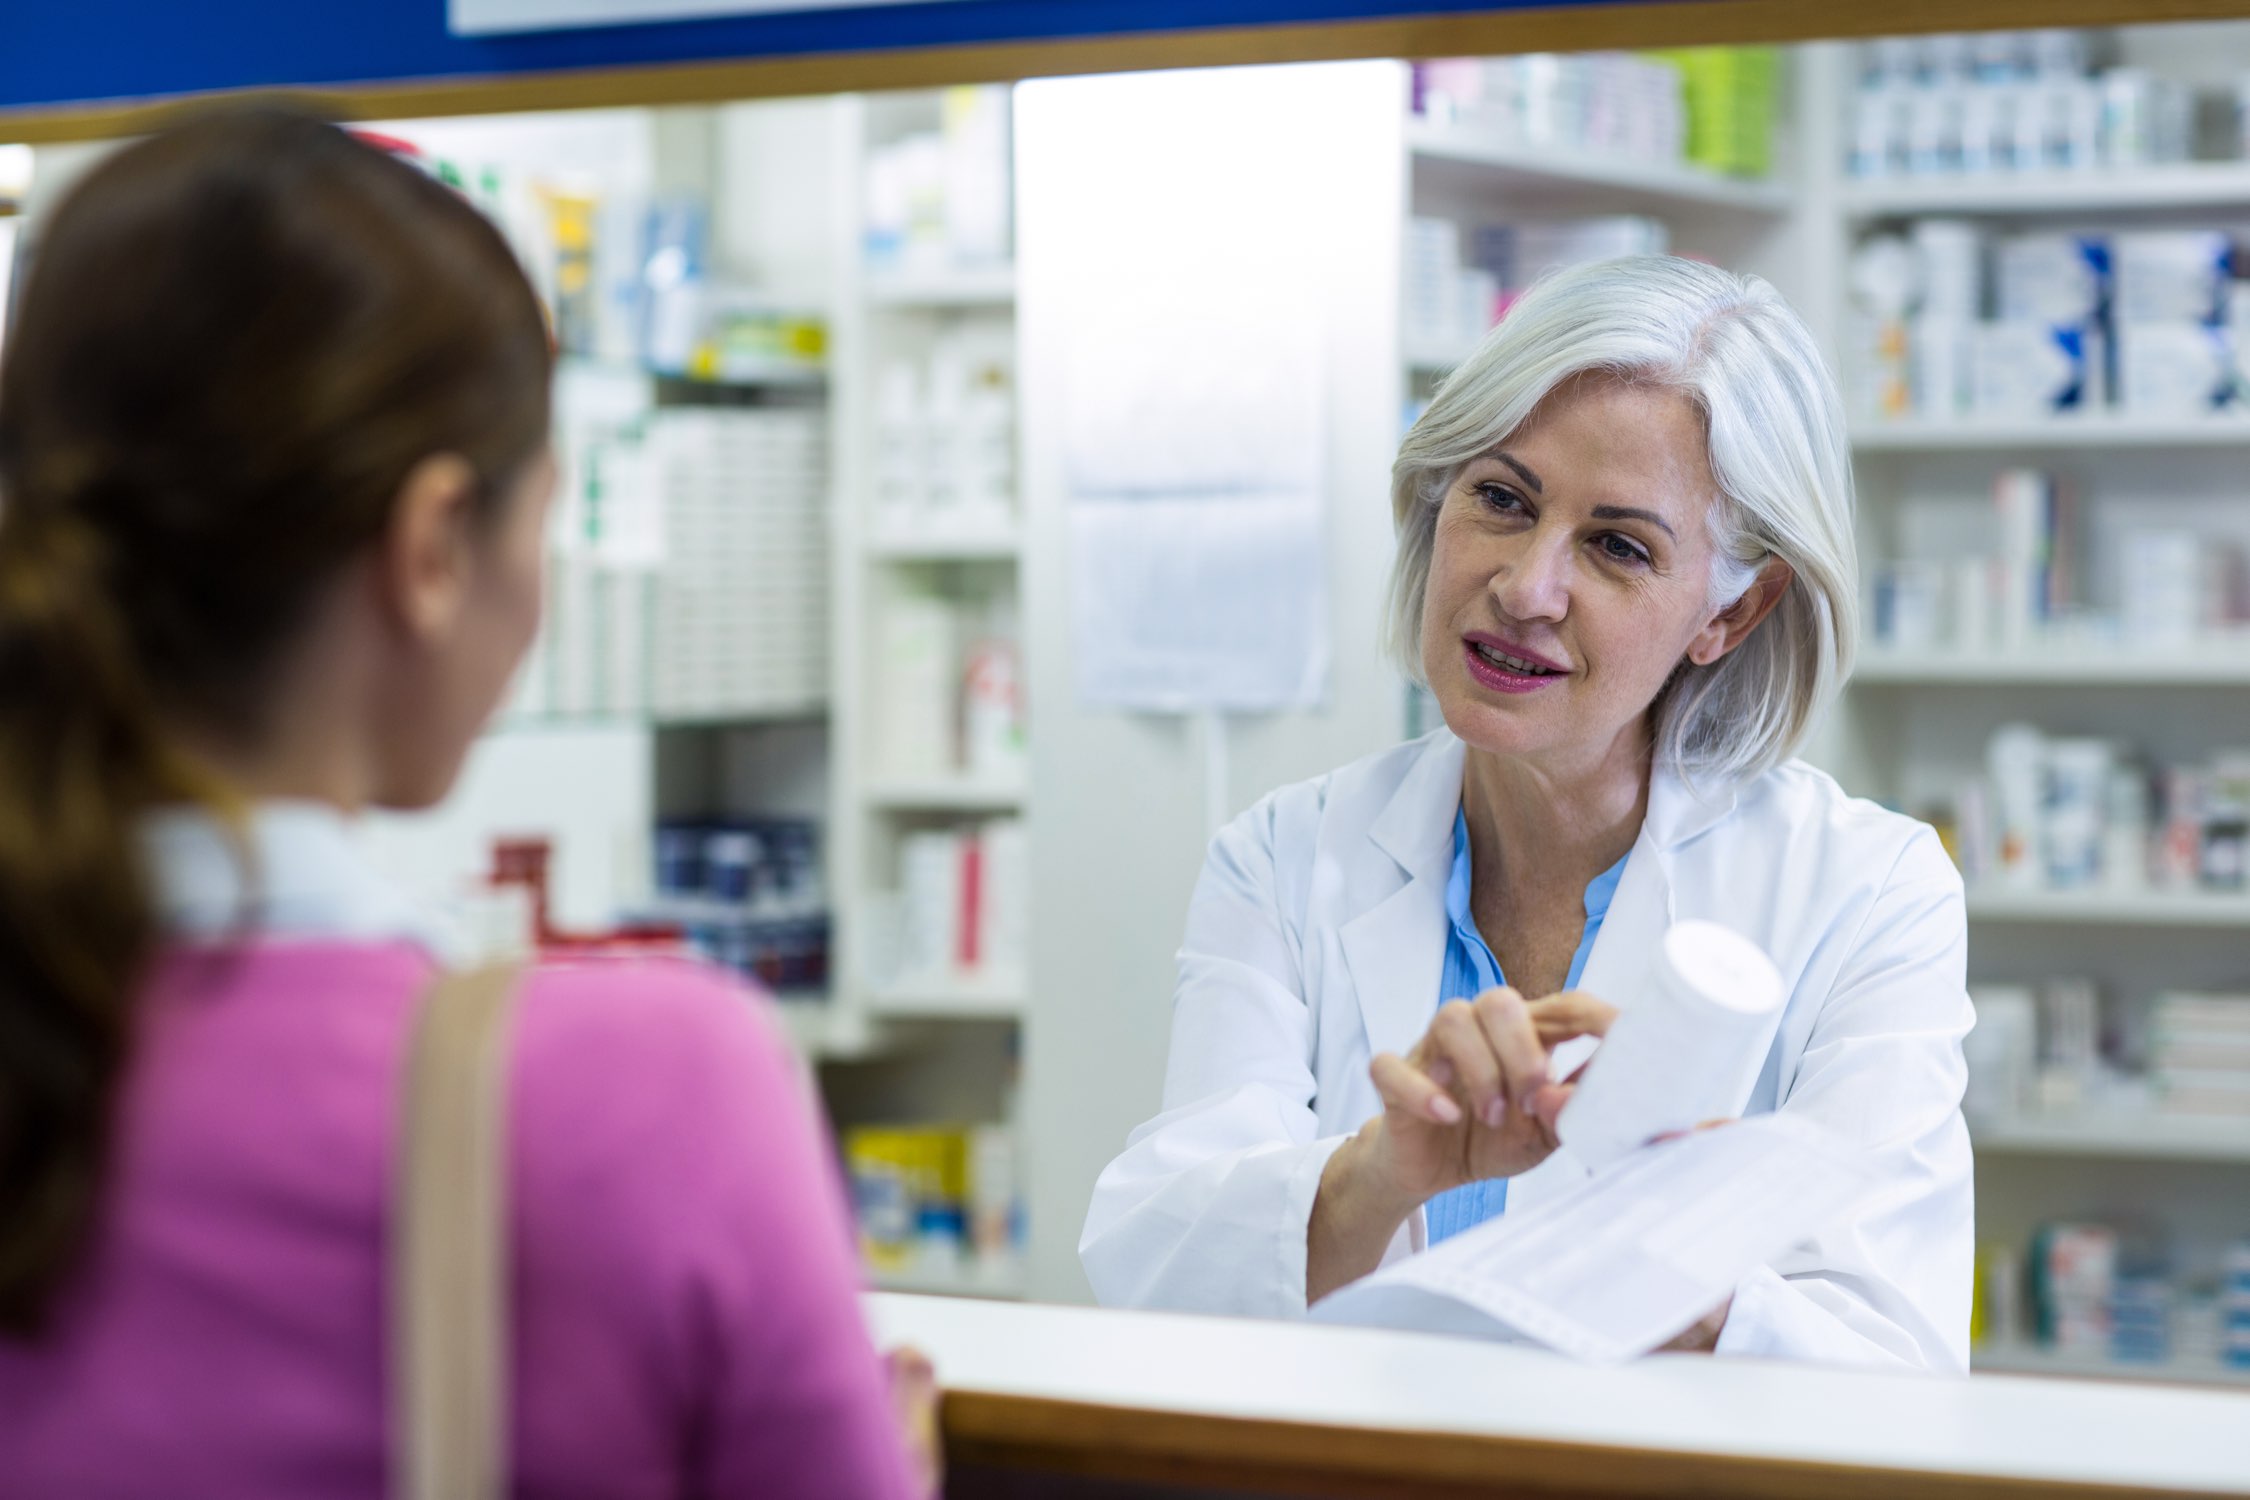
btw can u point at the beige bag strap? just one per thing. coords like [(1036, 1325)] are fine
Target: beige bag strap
[(449, 1254)]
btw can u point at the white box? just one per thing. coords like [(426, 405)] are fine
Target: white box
[(2059, 279), (2020, 369), (2173, 370), (2170, 275)]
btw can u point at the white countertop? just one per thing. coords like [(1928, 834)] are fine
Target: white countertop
[(2082, 1431)]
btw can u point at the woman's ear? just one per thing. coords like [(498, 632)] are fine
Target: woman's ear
[(425, 568), (1731, 626)]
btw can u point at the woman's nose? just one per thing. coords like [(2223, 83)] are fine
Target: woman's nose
[(1534, 584)]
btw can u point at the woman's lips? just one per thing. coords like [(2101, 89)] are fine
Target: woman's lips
[(1504, 679)]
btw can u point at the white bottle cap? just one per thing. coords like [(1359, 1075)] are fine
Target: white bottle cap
[(1710, 963)]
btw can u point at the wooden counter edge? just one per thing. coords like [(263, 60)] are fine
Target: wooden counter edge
[(1040, 1435)]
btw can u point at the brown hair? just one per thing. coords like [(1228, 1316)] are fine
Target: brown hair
[(239, 337)]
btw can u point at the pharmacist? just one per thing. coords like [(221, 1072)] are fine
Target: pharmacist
[(1625, 568)]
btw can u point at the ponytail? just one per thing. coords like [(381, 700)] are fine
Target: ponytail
[(79, 761), (240, 336)]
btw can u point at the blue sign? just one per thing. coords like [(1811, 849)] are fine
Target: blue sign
[(59, 53)]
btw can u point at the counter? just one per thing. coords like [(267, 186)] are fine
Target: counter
[(1088, 1403)]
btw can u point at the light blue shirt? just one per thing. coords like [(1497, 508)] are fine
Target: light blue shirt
[(1470, 970)]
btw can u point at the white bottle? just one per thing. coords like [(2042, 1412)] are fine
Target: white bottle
[(1687, 1050)]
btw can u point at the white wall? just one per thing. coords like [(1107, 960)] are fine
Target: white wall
[(1119, 799)]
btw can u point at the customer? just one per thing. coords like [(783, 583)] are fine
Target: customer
[(273, 460)]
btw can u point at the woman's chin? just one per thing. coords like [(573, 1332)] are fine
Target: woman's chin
[(1497, 728)]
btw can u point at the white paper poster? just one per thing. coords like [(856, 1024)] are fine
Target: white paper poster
[(1193, 392)]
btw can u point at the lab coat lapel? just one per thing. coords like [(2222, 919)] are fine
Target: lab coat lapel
[(1640, 910), (1396, 948)]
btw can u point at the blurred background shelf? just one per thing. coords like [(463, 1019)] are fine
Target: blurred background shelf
[(2103, 908), (1436, 358), (1002, 1283), (2145, 1139), (2032, 1359), (966, 546), (1550, 172), (2181, 185), (946, 794), (2089, 430), (822, 1031), (948, 999), (959, 287), (2107, 666)]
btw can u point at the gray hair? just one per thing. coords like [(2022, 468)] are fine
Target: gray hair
[(1775, 433)]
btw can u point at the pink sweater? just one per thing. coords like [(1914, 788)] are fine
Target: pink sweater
[(684, 1308)]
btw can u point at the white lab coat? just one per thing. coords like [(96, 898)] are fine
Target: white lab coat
[(1315, 940)]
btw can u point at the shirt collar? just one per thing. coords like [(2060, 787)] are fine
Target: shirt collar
[(294, 872)]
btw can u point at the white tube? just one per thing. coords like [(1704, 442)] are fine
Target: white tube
[(1686, 1051)]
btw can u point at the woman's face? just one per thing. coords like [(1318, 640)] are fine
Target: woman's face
[(1570, 574), (471, 647)]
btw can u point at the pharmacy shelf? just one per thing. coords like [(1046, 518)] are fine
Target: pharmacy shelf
[(819, 1030), (962, 287), (2090, 430), (1555, 172), (1000, 1283), (792, 710), (2183, 185), (1436, 358), (717, 372), (2031, 1359), (2111, 909), (963, 546), (2094, 665), (947, 794), (948, 999), (2140, 1139)]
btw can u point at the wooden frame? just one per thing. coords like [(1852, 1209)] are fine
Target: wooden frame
[(1020, 1446), (1579, 28)]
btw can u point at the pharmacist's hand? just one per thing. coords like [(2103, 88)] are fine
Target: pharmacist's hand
[(1558, 1018), (914, 1405), (1459, 1107), (1701, 1336)]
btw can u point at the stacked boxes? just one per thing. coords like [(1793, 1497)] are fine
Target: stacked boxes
[(2174, 293), (1449, 303), (2010, 102), (2199, 1056), (748, 894), (2119, 1293), (962, 909), (2078, 813), (1596, 101), (935, 1199), (2073, 1271), (2234, 1306), (741, 606), (2150, 321), (1730, 95)]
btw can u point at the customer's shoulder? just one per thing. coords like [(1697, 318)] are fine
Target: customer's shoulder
[(653, 1015)]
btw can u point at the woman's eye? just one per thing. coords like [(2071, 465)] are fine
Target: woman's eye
[(1618, 549), (1500, 498)]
